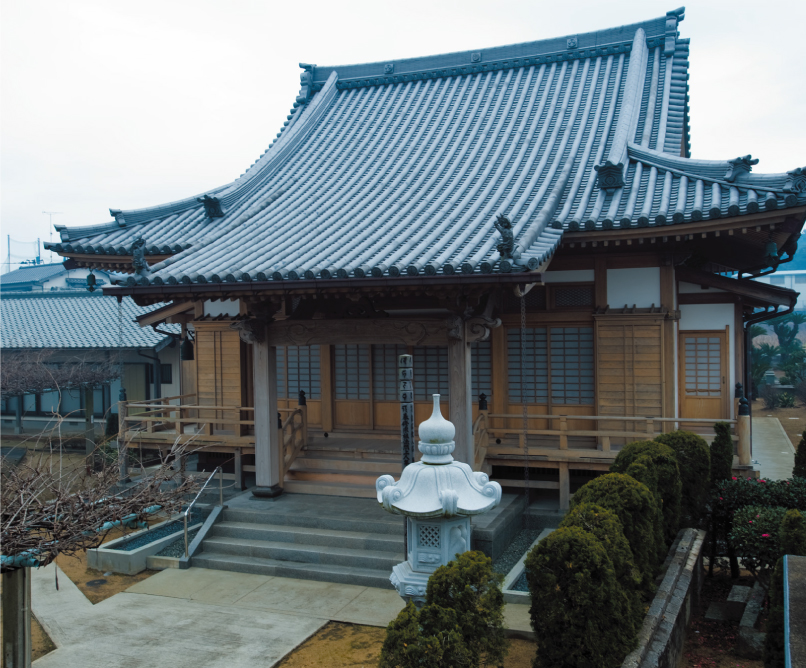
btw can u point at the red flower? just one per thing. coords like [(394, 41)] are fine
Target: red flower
[(734, 478), (765, 535)]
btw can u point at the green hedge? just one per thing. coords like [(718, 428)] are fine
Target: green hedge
[(721, 454), (606, 527), (792, 534), (578, 608), (637, 510), (756, 537), (461, 623), (637, 459), (694, 460)]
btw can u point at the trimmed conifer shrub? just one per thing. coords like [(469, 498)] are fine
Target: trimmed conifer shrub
[(800, 458), (694, 460), (637, 459), (721, 454), (578, 607), (461, 623), (792, 535), (606, 527), (637, 509)]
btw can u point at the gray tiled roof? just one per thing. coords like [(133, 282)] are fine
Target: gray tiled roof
[(74, 321), (34, 274), (400, 168)]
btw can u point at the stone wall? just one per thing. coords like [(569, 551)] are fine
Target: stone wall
[(662, 635)]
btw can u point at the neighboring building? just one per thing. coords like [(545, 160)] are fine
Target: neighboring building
[(78, 327), (369, 229), (47, 278), (791, 275)]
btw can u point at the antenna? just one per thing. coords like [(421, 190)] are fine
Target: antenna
[(50, 214)]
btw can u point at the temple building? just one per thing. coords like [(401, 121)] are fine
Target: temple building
[(527, 221)]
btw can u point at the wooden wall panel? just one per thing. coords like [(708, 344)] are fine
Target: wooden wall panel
[(349, 413), (218, 366), (630, 368)]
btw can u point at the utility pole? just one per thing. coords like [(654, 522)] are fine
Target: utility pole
[(50, 214)]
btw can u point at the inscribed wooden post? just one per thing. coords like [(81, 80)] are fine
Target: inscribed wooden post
[(461, 409), (405, 375)]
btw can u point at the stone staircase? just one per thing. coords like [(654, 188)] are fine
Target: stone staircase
[(343, 466), (345, 540)]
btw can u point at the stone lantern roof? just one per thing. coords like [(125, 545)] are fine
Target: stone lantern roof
[(437, 485)]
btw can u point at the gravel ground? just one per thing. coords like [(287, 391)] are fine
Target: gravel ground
[(516, 549), (177, 548)]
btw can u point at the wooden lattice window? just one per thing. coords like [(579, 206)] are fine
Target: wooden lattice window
[(351, 371), (570, 296), (703, 366), (298, 369), (430, 372), (528, 369), (572, 372), (384, 370)]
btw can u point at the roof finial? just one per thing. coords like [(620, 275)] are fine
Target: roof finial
[(611, 177), (305, 83), (212, 206), (739, 166), (796, 181)]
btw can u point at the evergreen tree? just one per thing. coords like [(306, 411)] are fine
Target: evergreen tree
[(694, 460), (721, 454)]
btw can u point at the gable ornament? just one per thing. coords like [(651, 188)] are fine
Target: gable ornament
[(212, 206), (139, 263), (305, 84), (796, 181), (250, 331), (610, 176), (739, 167)]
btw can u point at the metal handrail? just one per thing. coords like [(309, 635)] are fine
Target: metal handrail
[(220, 472)]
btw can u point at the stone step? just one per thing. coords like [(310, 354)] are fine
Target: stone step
[(290, 569), (358, 540), (373, 466), (309, 554), (378, 523)]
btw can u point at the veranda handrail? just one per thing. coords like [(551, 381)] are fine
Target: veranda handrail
[(611, 418), (220, 472)]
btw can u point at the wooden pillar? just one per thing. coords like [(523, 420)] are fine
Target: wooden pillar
[(461, 407), (123, 450), (668, 347), (743, 433), (16, 609), (565, 487), (268, 464), (326, 386), (238, 470), (18, 414)]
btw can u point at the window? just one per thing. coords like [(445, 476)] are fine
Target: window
[(481, 369), (430, 372), (556, 363), (166, 374), (573, 295), (800, 278), (298, 369), (703, 366), (351, 366), (777, 280), (384, 371)]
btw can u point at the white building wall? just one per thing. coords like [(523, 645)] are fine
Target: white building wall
[(227, 307), (794, 280), (714, 318), (634, 287)]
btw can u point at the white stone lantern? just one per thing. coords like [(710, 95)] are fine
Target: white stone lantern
[(438, 496)]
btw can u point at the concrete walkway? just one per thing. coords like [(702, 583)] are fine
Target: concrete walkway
[(772, 449), (200, 617)]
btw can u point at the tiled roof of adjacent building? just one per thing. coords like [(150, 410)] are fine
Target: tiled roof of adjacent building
[(74, 321), (400, 167), (38, 273)]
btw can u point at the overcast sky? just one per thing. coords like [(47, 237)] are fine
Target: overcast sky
[(132, 104)]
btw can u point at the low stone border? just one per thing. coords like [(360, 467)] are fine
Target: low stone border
[(513, 595), (663, 633)]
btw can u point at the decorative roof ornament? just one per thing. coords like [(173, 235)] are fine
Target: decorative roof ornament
[(117, 214), (139, 257), (572, 42), (212, 206), (305, 84), (739, 166), (611, 177), (672, 19), (91, 282), (389, 68), (796, 181), (507, 245)]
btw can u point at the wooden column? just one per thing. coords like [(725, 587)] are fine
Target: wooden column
[(461, 407), (89, 427), (268, 463), (565, 486), (16, 614), (667, 299)]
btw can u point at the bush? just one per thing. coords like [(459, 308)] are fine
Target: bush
[(786, 400), (637, 510), (666, 476), (730, 495), (756, 538), (606, 527), (770, 398), (578, 608), (694, 460), (112, 425), (792, 534), (774, 651), (461, 622), (800, 458), (721, 453)]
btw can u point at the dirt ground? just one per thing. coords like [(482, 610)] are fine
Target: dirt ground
[(338, 645), (793, 420), (713, 644), (41, 643)]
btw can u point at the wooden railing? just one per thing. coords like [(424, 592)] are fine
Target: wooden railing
[(293, 434), (481, 439)]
